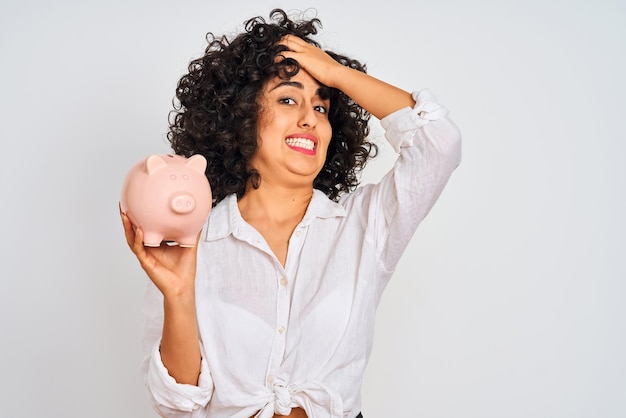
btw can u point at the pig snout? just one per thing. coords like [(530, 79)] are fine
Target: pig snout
[(183, 203)]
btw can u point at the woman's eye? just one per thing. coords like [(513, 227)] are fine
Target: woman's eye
[(287, 100), (321, 109)]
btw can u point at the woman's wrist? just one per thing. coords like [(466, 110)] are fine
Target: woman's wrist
[(340, 75)]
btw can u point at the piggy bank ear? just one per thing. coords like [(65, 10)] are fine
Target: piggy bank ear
[(153, 163), (197, 162)]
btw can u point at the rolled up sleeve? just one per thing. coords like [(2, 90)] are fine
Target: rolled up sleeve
[(174, 399)]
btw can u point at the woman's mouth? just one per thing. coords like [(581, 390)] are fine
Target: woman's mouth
[(302, 144)]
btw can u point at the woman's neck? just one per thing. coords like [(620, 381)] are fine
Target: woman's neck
[(275, 204)]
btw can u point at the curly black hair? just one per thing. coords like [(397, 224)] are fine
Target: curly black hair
[(216, 109)]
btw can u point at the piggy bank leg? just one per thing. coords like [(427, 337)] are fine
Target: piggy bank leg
[(151, 239), (187, 241)]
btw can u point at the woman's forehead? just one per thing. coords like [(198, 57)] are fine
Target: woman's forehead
[(302, 79)]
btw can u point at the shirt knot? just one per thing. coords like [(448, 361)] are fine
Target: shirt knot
[(316, 400), (282, 398)]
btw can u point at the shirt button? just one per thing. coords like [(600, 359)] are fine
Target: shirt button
[(298, 232), (281, 330), (270, 378), (283, 281)]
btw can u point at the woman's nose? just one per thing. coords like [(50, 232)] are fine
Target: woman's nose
[(307, 117)]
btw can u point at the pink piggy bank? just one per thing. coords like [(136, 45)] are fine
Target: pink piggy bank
[(168, 197)]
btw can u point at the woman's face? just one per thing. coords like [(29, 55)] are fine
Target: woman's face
[(293, 130)]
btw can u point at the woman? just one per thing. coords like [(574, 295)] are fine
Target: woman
[(272, 313)]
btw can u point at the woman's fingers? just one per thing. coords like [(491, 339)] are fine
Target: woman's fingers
[(134, 237), (129, 231), (312, 59), (294, 43), (138, 247)]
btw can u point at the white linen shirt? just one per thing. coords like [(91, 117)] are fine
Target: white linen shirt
[(275, 338)]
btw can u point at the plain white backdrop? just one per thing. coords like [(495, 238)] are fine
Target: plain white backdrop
[(507, 303)]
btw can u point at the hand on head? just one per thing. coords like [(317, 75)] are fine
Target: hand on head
[(313, 60)]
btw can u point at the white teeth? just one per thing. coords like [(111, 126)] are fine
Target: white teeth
[(301, 143)]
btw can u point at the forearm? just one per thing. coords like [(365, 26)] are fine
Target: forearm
[(180, 350), (376, 96)]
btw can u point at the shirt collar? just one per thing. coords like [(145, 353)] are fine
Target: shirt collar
[(225, 218), (321, 206)]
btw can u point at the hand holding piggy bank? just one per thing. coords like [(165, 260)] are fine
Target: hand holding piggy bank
[(168, 197)]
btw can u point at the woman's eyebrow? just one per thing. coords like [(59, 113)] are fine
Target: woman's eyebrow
[(288, 83), (322, 91)]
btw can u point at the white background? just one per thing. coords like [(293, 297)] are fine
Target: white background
[(508, 302)]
